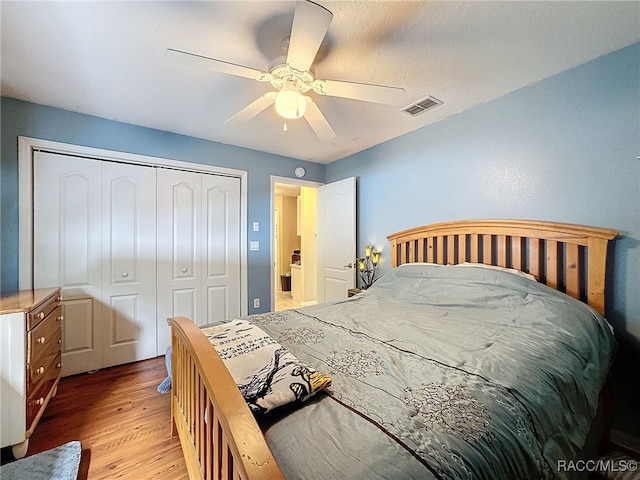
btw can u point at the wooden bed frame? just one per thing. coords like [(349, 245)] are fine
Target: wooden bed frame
[(219, 435)]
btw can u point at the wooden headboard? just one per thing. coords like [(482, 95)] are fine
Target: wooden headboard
[(569, 258)]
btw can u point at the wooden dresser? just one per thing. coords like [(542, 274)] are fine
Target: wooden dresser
[(30, 361)]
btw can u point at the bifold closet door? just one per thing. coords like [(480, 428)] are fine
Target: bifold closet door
[(129, 263), (198, 248), (94, 235), (221, 247), (67, 230)]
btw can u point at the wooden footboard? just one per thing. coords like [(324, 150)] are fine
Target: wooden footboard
[(219, 435)]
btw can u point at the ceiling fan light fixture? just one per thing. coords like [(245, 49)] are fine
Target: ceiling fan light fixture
[(290, 103)]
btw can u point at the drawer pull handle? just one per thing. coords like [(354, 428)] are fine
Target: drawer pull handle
[(41, 340), (60, 318), (40, 315), (59, 299), (40, 401), (59, 340), (58, 365), (40, 370)]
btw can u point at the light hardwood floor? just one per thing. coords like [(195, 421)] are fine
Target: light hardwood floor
[(121, 420), (284, 301)]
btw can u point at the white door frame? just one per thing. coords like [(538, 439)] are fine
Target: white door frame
[(275, 247), (288, 181), (26, 148)]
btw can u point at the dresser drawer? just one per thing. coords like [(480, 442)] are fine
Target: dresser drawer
[(40, 368), (38, 392), (38, 314), (46, 337)]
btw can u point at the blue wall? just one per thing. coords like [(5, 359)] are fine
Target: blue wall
[(563, 149), (27, 119)]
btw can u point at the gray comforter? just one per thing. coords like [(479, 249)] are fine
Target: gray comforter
[(442, 372)]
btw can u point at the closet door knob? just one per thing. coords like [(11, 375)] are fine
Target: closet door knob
[(39, 401), (125, 274), (41, 340), (40, 370), (185, 270)]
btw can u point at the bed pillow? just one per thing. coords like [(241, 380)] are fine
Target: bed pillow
[(267, 374), (480, 265), (503, 269), (419, 263)]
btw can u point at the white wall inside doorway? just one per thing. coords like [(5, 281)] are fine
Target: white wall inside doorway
[(280, 254)]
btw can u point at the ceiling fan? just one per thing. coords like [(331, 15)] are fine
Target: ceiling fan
[(292, 76)]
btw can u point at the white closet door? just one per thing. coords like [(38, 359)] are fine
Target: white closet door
[(129, 263), (67, 194), (198, 249), (131, 246), (179, 249), (221, 258)]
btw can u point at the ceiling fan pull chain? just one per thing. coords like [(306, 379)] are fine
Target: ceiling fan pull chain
[(284, 129)]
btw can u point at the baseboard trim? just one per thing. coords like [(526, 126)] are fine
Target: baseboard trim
[(625, 442)]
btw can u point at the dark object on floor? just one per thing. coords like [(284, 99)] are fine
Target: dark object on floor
[(60, 463), (165, 386), (618, 466), (285, 282)]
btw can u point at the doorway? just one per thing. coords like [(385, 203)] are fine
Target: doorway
[(293, 253)]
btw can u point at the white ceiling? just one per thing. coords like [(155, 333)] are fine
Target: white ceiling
[(107, 59)]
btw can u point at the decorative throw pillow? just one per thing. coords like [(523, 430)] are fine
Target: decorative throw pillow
[(267, 374)]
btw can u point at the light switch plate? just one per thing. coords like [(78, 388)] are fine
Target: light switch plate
[(256, 226)]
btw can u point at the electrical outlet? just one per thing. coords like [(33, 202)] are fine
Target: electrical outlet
[(256, 303), (254, 246)]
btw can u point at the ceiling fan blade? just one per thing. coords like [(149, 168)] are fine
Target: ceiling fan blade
[(317, 121), (253, 109), (360, 91), (310, 24), (195, 60)]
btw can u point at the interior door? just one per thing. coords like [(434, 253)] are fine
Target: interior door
[(336, 239), (67, 223), (129, 263)]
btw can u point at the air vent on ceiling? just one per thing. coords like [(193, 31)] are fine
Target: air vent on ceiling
[(422, 106)]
